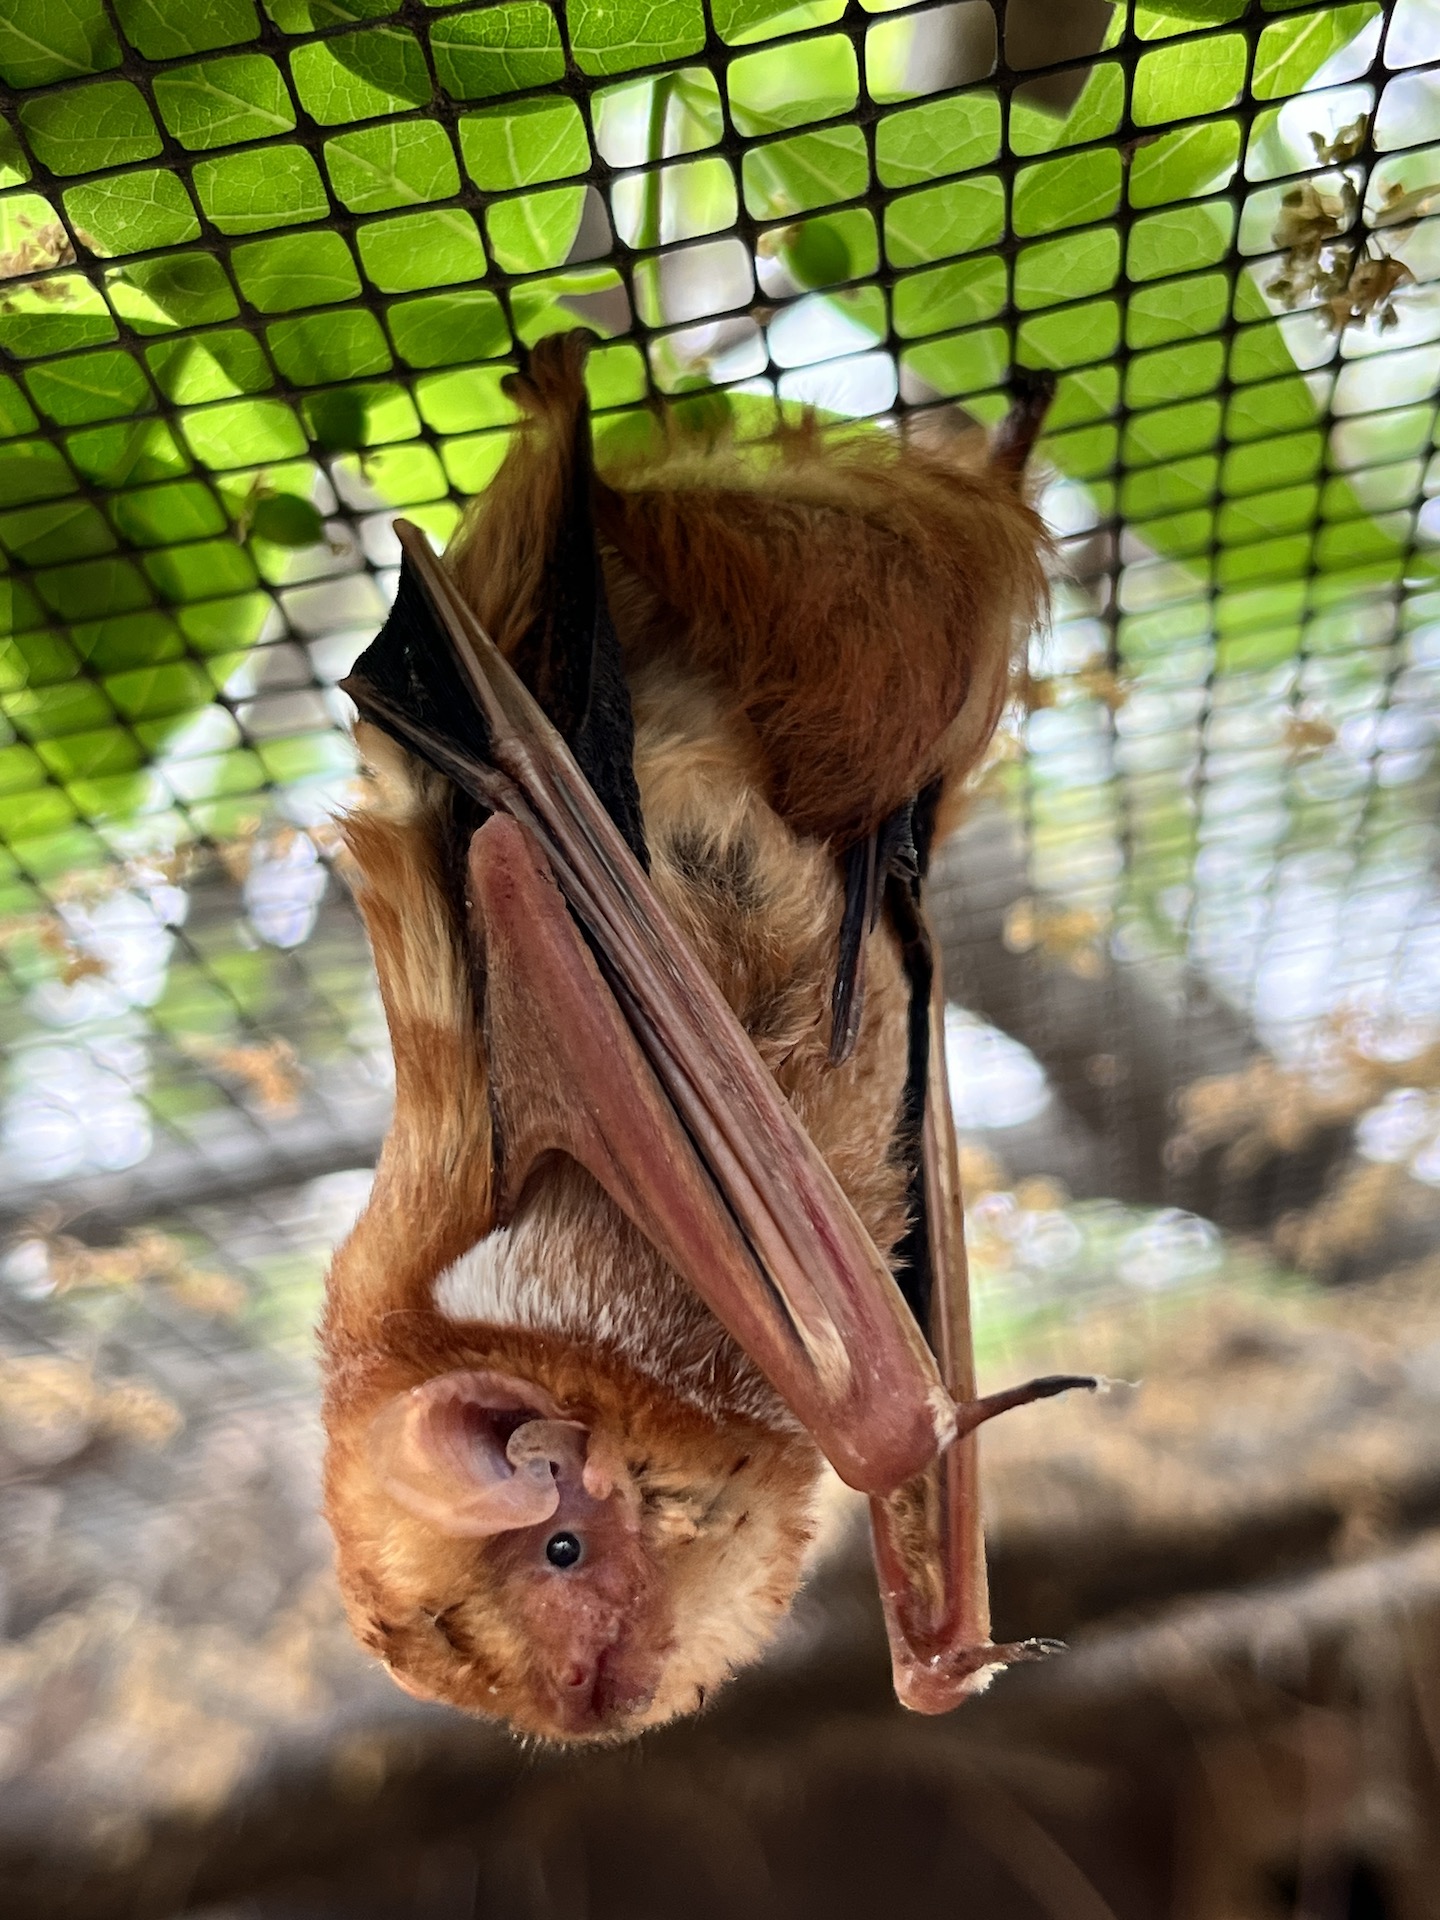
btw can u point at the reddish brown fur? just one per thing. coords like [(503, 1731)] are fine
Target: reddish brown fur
[(808, 638)]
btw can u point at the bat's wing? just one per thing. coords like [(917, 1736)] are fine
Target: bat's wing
[(928, 1535), (608, 1041)]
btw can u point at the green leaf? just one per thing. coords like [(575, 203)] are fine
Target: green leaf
[(1183, 16), (520, 146), (19, 611), (498, 50), (42, 41), (129, 640), (1278, 461), (1186, 237), (583, 296), (1171, 433), (740, 22), (418, 250), (473, 460), (64, 530), (14, 167), (51, 712), (306, 16), (1065, 269), (792, 85), (83, 129), (461, 402), (1174, 373), (825, 251), (401, 165), (209, 366), (1193, 77), (615, 376), (938, 221), (1270, 407), (15, 414), (1085, 455), (360, 75), (125, 454), (1193, 160), (300, 270), (612, 36), (947, 297), (328, 346), (69, 313), (169, 29), (285, 520), (1177, 309), (1096, 114), (223, 102), (224, 626), (960, 363), (399, 476), (1068, 192), (1263, 515), (939, 138), (131, 213), (673, 203), (95, 589), (156, 693), (255, 191), (791, 176), (91, 386), (1090, 395), (1291, 50), (536, 230), (1071, 337), (33, 470), (247, 433), (342, 419), (156, 516), (198, 572), (180, 290), (448, 327)]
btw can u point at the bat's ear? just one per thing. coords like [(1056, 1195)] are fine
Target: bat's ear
[(476, 1453)]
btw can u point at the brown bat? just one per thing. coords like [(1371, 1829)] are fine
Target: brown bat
[(669, 1207)]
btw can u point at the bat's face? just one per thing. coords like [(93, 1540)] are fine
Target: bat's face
[(575, 1568)]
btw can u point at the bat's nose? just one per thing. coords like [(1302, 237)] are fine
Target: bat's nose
[(599, 1694)]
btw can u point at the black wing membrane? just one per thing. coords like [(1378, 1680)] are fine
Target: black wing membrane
[(569, 658)]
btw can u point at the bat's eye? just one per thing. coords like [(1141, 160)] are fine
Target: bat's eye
[(563, 1550)]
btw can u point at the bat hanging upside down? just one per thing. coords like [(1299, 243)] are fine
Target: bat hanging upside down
[(669, 1208)]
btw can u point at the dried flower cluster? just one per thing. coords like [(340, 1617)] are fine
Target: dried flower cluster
[(52, 1409), (1075, 936), (269, 1070), (66, 1265), (1350, 283), (1095, 681), (1266, 1109)]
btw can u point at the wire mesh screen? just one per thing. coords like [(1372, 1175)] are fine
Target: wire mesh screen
[(262, 271)]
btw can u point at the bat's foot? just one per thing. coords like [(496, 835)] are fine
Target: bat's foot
[(973, 1413)]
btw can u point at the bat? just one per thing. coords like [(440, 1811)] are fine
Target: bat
[(669, 1211)]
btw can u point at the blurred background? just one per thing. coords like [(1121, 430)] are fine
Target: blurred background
[(262, 268)]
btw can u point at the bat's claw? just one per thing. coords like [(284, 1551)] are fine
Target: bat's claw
[(939, 1683), (973, 1413), (1017, 1652)]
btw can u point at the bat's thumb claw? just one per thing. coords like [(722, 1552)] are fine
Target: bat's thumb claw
[(1019, 1651)]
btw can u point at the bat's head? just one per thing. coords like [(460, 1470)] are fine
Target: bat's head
[(549, 1547)]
